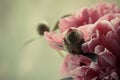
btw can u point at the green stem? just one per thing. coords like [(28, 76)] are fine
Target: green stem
[(31, 41)]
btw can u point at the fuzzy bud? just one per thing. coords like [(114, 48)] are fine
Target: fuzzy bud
[(42, 28), (73, 41)]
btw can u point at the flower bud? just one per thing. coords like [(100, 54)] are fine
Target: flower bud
[(73, 41), (42, 28)]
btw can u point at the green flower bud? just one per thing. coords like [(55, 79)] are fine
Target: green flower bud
[(42, 28), (73, 41)]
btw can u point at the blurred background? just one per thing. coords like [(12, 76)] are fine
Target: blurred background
[(18, 22)]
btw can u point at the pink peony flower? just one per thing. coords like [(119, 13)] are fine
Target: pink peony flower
[(100, 26), (104, 40)]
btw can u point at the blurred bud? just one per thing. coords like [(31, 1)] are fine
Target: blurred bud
[(73, 41), (42, 28)]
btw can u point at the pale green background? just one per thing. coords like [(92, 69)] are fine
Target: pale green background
[(18, 22)]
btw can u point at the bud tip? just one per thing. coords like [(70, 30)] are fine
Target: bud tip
[(42, 28)]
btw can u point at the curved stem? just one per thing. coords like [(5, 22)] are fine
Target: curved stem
[(37, 39), (26, 43)]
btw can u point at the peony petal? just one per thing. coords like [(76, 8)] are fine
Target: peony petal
[(79, 71), (90, 74), (55, 40), (66, 23), (98, 49), (111, 44), (64, 72), (106, 58)]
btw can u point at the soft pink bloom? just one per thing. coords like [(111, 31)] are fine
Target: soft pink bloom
[(100, 26), (104, 40)]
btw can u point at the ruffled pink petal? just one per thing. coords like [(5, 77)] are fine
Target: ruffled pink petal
[(67, 23), (99, 49), (107, 59), (103, 27), (92, 43), (64, 72), (55, 40), (79, 71), (85, 30), (90, 74), (114, 76), (111, 44)]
